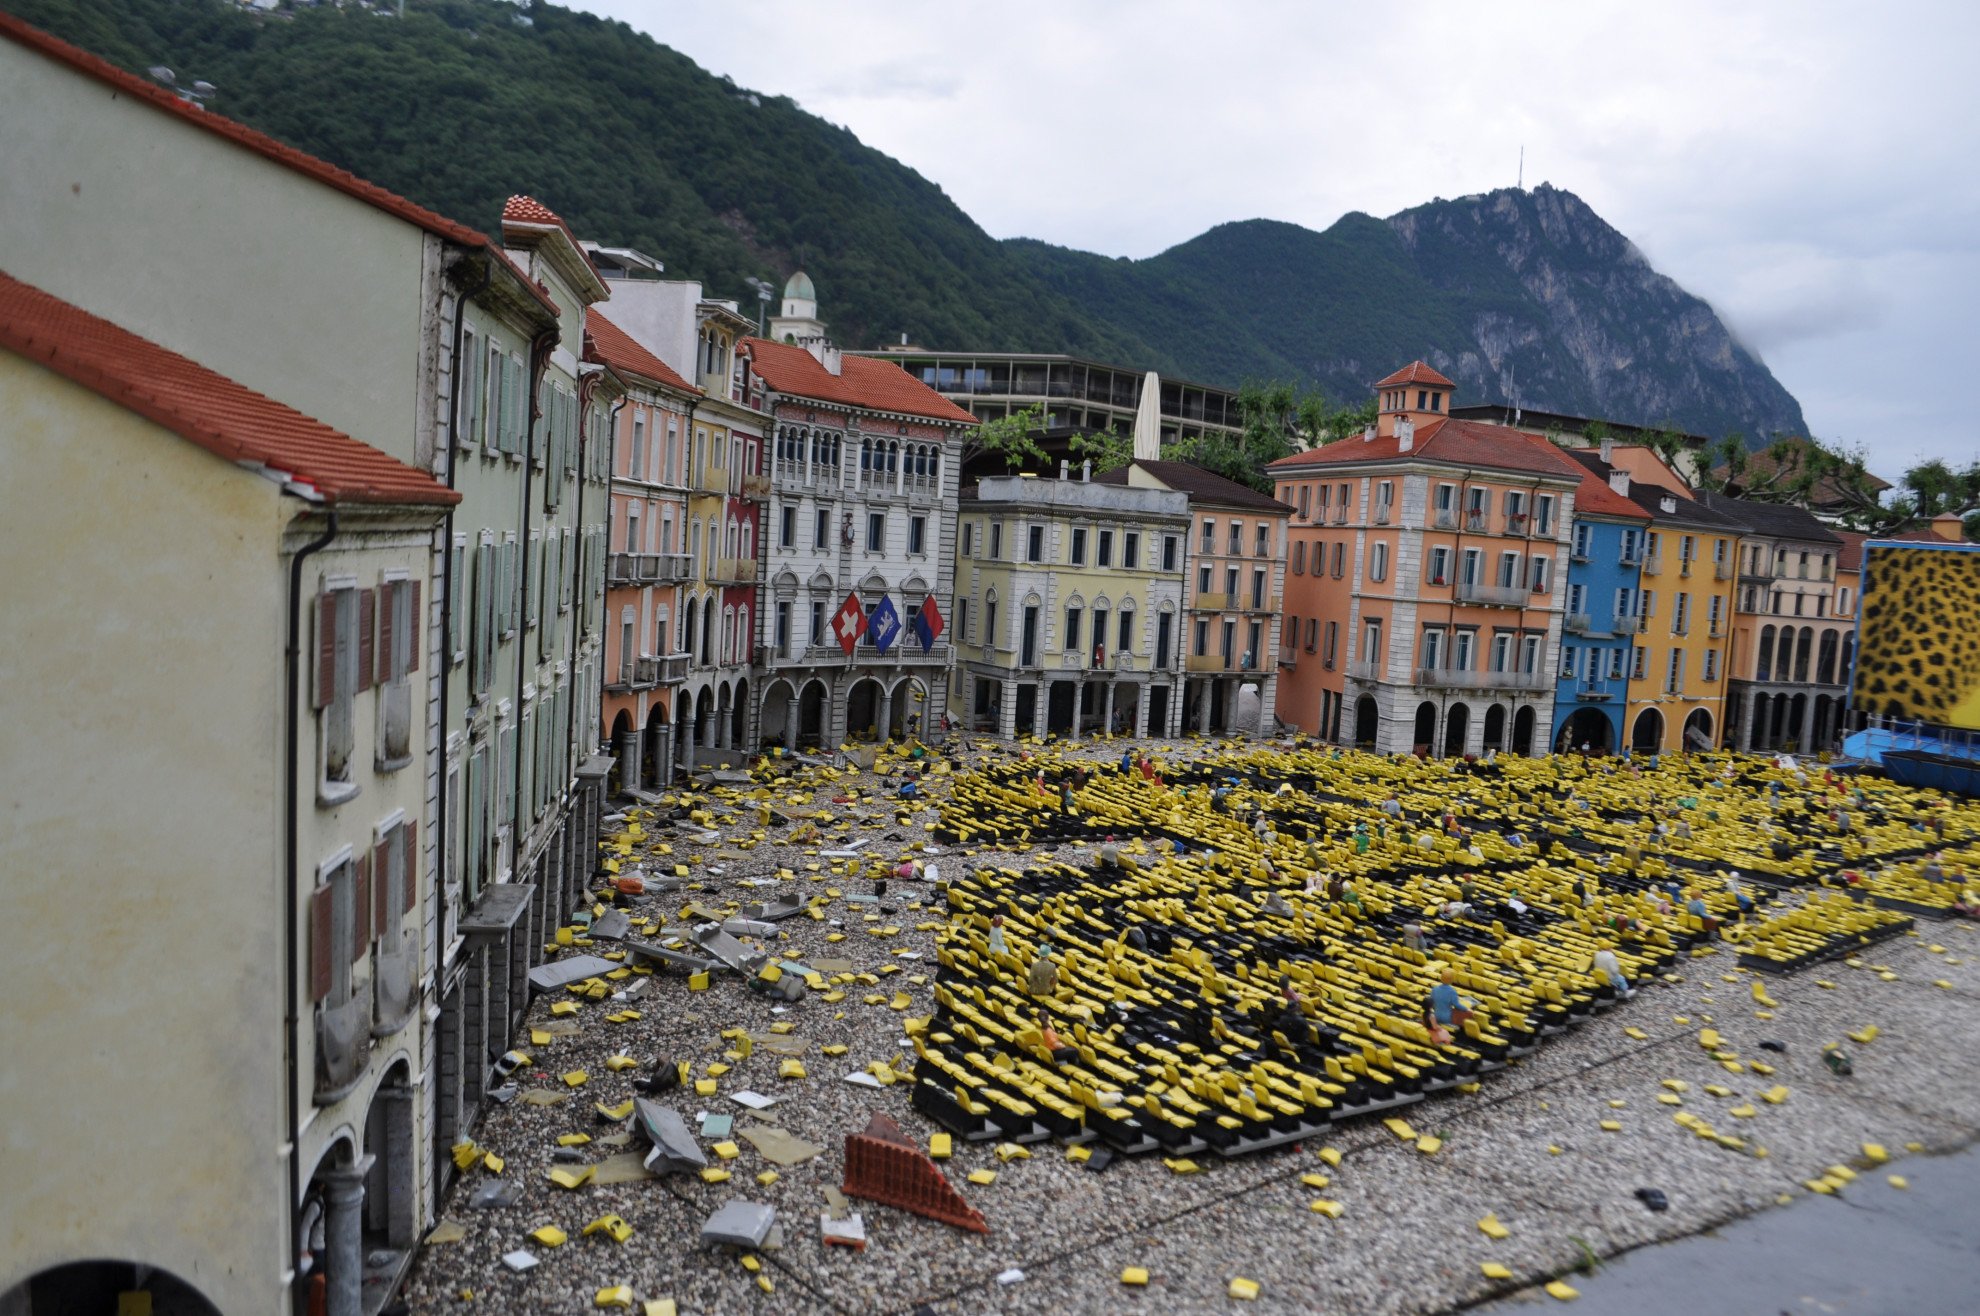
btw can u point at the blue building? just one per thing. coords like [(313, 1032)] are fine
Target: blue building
[(1604, 614)]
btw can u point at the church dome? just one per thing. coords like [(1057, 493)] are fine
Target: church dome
[(799, 286)]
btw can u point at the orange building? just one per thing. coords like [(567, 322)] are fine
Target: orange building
[(1425, 579)]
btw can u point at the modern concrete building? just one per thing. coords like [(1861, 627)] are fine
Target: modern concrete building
[(863, 477), (1426, 572), (1076, 395), (453, 356), (1236, 558), (1069, 606), (1788, 658), (261, 822)]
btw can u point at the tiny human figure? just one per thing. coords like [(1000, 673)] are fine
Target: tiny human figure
[(1448, 1010), (1609, 967), (1127, 761), (1740, 898), (1066, 805), (1042, 978), (1147, 768), (997, 944), (1413, 937), (1054, 1045), (1392, 806)]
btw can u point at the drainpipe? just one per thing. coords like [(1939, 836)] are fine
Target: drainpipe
[(586, 387), (292, 673)]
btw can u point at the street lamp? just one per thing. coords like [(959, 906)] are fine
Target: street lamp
[(197, 93), (764, 290)]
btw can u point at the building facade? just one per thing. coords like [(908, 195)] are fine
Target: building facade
[(1232, 595), (1788, 663), (454, 357), (863, 475), (1069, 607), (1426, 571), (272, 947), (1599, 626)]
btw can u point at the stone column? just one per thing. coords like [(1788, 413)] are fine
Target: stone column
[(687, 742), (343, 1240), (885, 722), (1107, 708), (1041, 706)]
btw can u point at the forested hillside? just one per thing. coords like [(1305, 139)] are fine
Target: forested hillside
[(459, 103)]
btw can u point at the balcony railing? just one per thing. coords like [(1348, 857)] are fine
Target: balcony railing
[(620, 568), (646, 568), (1212, 601), (1631, 557), (1624, 623), (1576, 623), (673, 668), (1128, 662), (1684, 566), (1365, 669), (671, 568), (1446, 519), (1722, 571), (906, 652), (1594, 692), (755, 486), (1206, 662), (1500, 596), (1653, 563), (1384, 513), (1262, 603), (1288, 654), (733, 571), (1475, 522), (1717, 631), (1456, 680)]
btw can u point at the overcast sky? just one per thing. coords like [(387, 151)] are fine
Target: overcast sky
[(1808, 168)]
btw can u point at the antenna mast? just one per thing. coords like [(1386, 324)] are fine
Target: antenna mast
[(1521, 184)]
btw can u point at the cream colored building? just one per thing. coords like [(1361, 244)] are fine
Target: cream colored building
[(231, 905)]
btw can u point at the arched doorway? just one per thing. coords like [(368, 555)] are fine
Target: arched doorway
[(684, 756), (739, 715), (1522, 737), (1647, 736), (93, 1286), (1060, 706), (1457, 724), (1495, 727), (624, 774), (1368, 721), (1589, 728), (704, 719), (863, 710), (1424, 736), (391, 1189), (774, 726), (910, 707), (724, 703), (1698, 731), (811, 715)]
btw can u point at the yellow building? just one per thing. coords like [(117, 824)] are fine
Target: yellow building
[(1687, 571)]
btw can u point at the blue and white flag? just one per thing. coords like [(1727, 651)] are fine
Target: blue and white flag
[(884, 626)]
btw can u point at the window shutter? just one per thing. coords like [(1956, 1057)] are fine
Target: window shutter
[(409, 842), (367, 618), (382, 914), (321, 912), (418, 635), (388, 598), (361, 909), (326, 648)]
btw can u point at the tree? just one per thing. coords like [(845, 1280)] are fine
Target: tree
[(1011, 437), (1108, 450), (1806, 472), (1275, 420)]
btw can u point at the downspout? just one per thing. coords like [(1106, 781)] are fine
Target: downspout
[(586, 387), (447, 583), (292, 671), (539, 361)]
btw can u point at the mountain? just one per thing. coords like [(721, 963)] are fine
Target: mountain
[(1524, 295)]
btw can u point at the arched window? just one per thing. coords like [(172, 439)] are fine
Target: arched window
[(744, 640), (689, 614), (1764, 661), (748, 540), (1124, 641), (728, 635), (707, 628)]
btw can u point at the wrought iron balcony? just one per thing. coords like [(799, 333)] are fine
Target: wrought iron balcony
[(1499, 596)]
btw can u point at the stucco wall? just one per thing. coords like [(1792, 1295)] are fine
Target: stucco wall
[(244, 265), (141, 1094)]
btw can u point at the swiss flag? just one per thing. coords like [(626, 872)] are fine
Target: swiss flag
[(849, 623), (928, 624)]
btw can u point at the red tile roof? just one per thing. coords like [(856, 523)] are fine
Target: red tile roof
[(1596, 498), (206, 408), (524, 209), (1416, 372), (878, 385), (619, 350), (1450, 442), (1851, 557)]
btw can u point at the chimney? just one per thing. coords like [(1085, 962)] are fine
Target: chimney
[(1405, 434), (1949, 527), (1608, 449), (1619, 481), (1368, 434)]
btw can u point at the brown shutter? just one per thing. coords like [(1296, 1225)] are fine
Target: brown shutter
[(383, 916), (326, 648), (361, 910), (409, 837), (321, 912), (367, 618), (387, 613), (418, 625)]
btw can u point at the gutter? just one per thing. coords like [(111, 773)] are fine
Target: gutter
[(292, 665)]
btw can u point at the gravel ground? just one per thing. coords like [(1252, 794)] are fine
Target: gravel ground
[(1406, 1241)]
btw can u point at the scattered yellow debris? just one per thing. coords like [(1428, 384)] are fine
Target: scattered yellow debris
[(1562, 1290), (1491, 1227), (549, 1236), (1327, 1207), (1494, 1270), (1244, 1289), (1897, 1181), (1134, 1275)]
